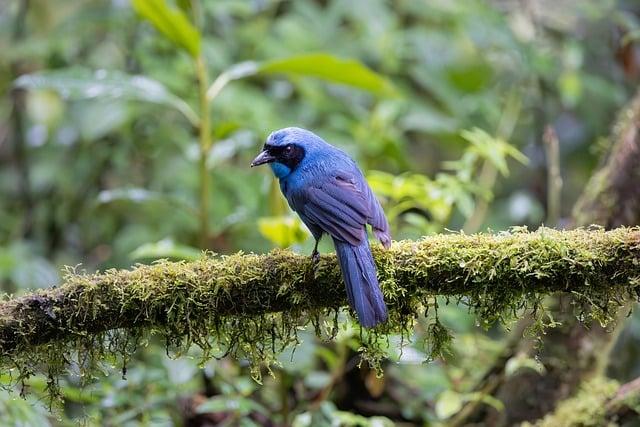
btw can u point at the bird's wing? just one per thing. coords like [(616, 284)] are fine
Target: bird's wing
[(377, 219), (336, 205)]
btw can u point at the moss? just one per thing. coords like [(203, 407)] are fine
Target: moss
[(588, 408), (612, 196), (252, 306)]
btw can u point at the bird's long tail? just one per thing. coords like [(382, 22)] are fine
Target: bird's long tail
[(363, 290)]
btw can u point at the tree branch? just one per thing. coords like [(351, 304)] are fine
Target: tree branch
[(612, 196), (493, 274), (573, 352)]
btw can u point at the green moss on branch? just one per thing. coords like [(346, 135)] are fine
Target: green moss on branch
[(598, 402), (588, 408), (252, 305)]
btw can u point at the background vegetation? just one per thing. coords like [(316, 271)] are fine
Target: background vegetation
[(126, 130)]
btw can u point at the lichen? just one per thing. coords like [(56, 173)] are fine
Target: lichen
[(252, 306)]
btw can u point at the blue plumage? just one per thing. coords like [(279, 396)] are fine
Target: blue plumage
[(328, 191)]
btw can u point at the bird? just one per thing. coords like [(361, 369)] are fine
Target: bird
[(327, 190)]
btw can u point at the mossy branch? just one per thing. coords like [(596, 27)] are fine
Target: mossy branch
[(254, 304), (612, 196), (598, 402), (610, 199)]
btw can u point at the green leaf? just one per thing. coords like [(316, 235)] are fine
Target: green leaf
[(113, 114), (131, 195), (171, 22), (235, 72), (570, 86), (404, 192), (333, 69), (320, 65), (139, 197), (317, 380), (522, 361), (166, 248), (493, 149), (449, 403), (232, 404), (79, 84), (284, 231), (471, 76), (428, 120), (484, 398)]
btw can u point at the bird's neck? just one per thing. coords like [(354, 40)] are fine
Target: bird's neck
[(280, 170)]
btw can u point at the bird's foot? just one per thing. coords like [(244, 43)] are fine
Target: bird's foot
[(315, 257)]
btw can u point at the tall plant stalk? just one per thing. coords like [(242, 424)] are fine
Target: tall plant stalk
[(554, 179), (204, 138)]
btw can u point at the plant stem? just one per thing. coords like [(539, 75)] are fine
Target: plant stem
[(20, 151), (554, 179), (205, 145)]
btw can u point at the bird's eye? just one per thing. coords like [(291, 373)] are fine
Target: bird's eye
[(289, 148)]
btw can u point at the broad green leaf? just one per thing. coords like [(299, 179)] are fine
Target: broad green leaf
[(333, 69), (80, 83), (171, 22), (113, 114), (166, 248), (320, 65)]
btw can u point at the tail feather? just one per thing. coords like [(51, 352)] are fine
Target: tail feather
[(363, 290)]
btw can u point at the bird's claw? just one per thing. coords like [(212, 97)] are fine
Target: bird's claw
[(315, 257)]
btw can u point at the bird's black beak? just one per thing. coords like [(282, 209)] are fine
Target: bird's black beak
[(263, 157)]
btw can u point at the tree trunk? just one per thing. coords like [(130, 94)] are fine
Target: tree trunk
[(574, 351)]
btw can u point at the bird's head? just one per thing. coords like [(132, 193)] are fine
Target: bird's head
[(286, 148)]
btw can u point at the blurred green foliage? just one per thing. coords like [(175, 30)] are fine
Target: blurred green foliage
[(112, 110)]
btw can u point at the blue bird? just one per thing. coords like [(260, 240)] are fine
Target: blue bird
[(329, 193)]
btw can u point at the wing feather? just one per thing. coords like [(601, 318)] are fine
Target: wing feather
[(337, 206), (378, 220)]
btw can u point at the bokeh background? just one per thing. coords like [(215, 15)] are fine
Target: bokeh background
[(104, 163)]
